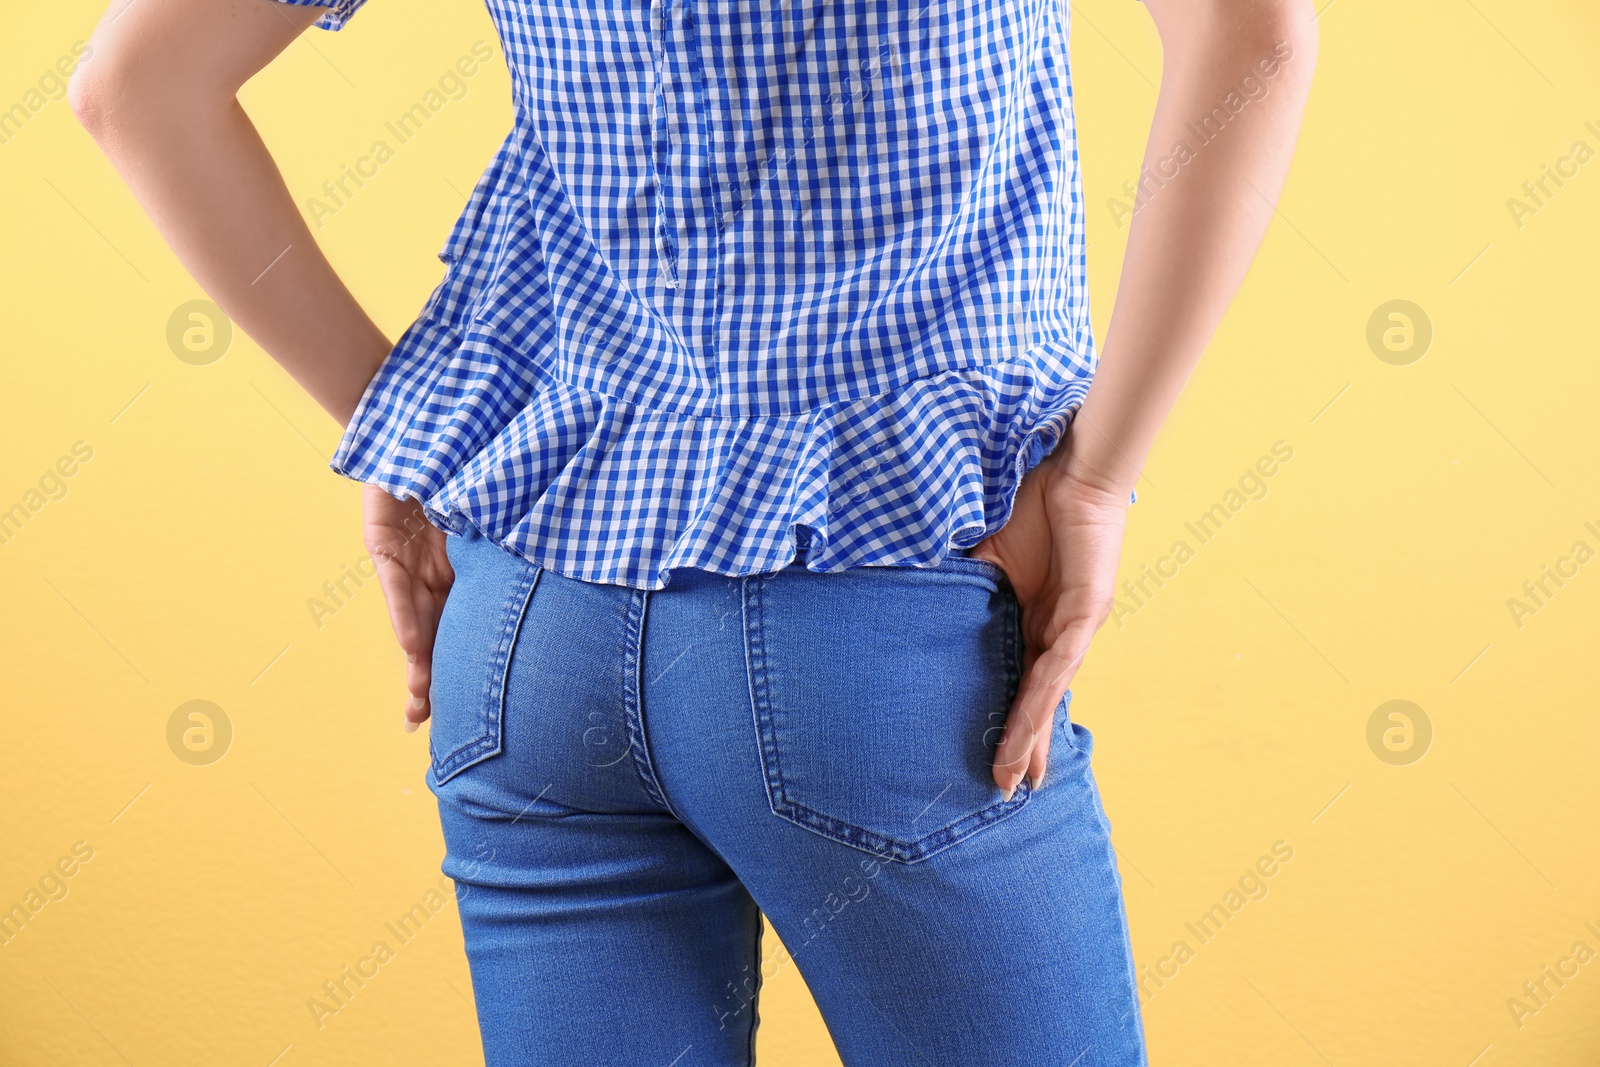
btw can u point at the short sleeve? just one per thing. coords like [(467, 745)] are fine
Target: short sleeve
[(337, 14)]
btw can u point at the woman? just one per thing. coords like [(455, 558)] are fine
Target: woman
[(723, 497)]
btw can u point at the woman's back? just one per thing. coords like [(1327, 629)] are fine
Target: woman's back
[(737, 270)]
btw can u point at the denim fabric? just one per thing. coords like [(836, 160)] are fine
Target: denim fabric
[(629, 778)]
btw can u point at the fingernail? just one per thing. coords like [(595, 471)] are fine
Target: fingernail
[(411, 657), (1006, 792), (416, 703), (411, 727)]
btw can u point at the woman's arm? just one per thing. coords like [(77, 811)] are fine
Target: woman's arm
[(1195, 234), (158, 96), (1202, 212)]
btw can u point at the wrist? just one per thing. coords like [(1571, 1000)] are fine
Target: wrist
[(344, 397), (1110, 476)]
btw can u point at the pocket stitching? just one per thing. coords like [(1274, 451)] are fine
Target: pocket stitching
[(825, 825), (492, 703), (987, 568), (1064, 720)]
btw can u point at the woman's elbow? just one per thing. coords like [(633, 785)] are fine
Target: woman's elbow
[(1285, 29), (92, 93), (119, 91), (1292, 25), (106, 93), (1271, 32)]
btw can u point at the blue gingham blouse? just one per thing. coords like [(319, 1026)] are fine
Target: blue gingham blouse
[(742, 268)]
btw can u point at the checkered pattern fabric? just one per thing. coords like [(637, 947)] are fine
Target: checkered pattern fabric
[(745, 268)]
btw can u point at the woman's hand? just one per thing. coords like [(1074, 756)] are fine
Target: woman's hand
[(1060, 549), (1193, 235), (416, 576)]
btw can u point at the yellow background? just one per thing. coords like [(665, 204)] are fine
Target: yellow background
[(1230, 711)]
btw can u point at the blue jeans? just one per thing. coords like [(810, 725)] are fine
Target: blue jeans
[(628, 779)]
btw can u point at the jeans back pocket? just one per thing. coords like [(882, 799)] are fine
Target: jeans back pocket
[(880, 694), (472, 653)]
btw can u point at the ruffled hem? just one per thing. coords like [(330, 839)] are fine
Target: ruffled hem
[(604, 490)]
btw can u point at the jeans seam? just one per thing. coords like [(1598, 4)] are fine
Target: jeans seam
[(1135, 1010), (493, 699), (755, 999), (913, 852), (633, 697), (755, 671)]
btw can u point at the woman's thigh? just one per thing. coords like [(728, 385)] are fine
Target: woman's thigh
[(831, 736), (598, 928)]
